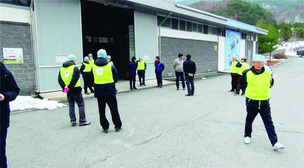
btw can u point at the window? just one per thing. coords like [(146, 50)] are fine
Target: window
[(167, 23), (17, 2), (189, 26), (182, 25), (200, 28), (205, 29), (175, 24), (194, 27)]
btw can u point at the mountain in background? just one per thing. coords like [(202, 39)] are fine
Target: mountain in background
[(290, 11)]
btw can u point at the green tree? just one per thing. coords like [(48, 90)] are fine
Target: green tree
[(285, 31), (245, 12), (267, 42)]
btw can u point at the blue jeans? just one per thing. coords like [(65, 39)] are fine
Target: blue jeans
[(190, 84), (253, 108)]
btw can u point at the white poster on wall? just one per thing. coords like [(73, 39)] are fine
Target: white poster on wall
[(13, 55)]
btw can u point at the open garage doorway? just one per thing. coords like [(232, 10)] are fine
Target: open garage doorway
[(110, 28)]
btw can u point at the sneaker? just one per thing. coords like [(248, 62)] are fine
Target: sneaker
[(188, 95), (135, 88), (231, 90), (184, 89), (144, 84), (117, 129), (247, 140), (177, 89), (161, 86), (278, 146), (73, 123), (105, 131), (87, 93), (84, 123)]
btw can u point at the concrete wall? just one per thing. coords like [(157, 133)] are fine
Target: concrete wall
[(202, 52), (18, 35)]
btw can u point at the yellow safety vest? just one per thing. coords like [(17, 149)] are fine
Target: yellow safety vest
[(111, 63), (87, 67), (141, 65), (234, 69), (91, 62), (103, 74), (66, 74), (258, 86), (245, 66)]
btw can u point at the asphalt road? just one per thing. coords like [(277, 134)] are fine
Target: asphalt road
[(164, 128)]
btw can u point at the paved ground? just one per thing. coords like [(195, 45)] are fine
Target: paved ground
[(163, 128)]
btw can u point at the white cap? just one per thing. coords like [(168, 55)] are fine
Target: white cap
[(101, 53), (258, 57)]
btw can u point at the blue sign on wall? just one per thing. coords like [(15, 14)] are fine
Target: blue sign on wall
[(233, 44)]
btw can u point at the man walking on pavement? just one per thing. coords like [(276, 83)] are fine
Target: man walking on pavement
[(189, 69), (141, 70), (85, 70), (258, 82), (132, 73), (68, 79), (179, 71), (105, 76), (235, 72), (8, 92), (159, 68)]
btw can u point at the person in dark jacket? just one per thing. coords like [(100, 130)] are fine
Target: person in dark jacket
[(257, 82), (68, 79), (132, 73), (105, 76), (189, 69), (8, 92), (85, 70), (159, 68)]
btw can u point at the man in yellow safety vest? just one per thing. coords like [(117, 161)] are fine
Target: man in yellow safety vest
[(141, 71), (258, 82), (105, 76), (68, 79), (236, 72), (85, 70)]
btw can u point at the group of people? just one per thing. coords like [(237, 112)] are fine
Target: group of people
[(101, 74), (255, 82)]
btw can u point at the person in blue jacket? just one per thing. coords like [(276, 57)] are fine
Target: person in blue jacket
[(132, 73), (159, 68), (9, 90)]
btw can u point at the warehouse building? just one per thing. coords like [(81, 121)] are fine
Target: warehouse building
[(47, 31)]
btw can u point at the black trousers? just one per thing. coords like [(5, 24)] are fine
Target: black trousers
[(88, 84), (159, 79), (180, 75), (141, 76), (3, 134), (190, 84), (72, 98), (112, 103), (234, 82), (132, 81), (254, 107)]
